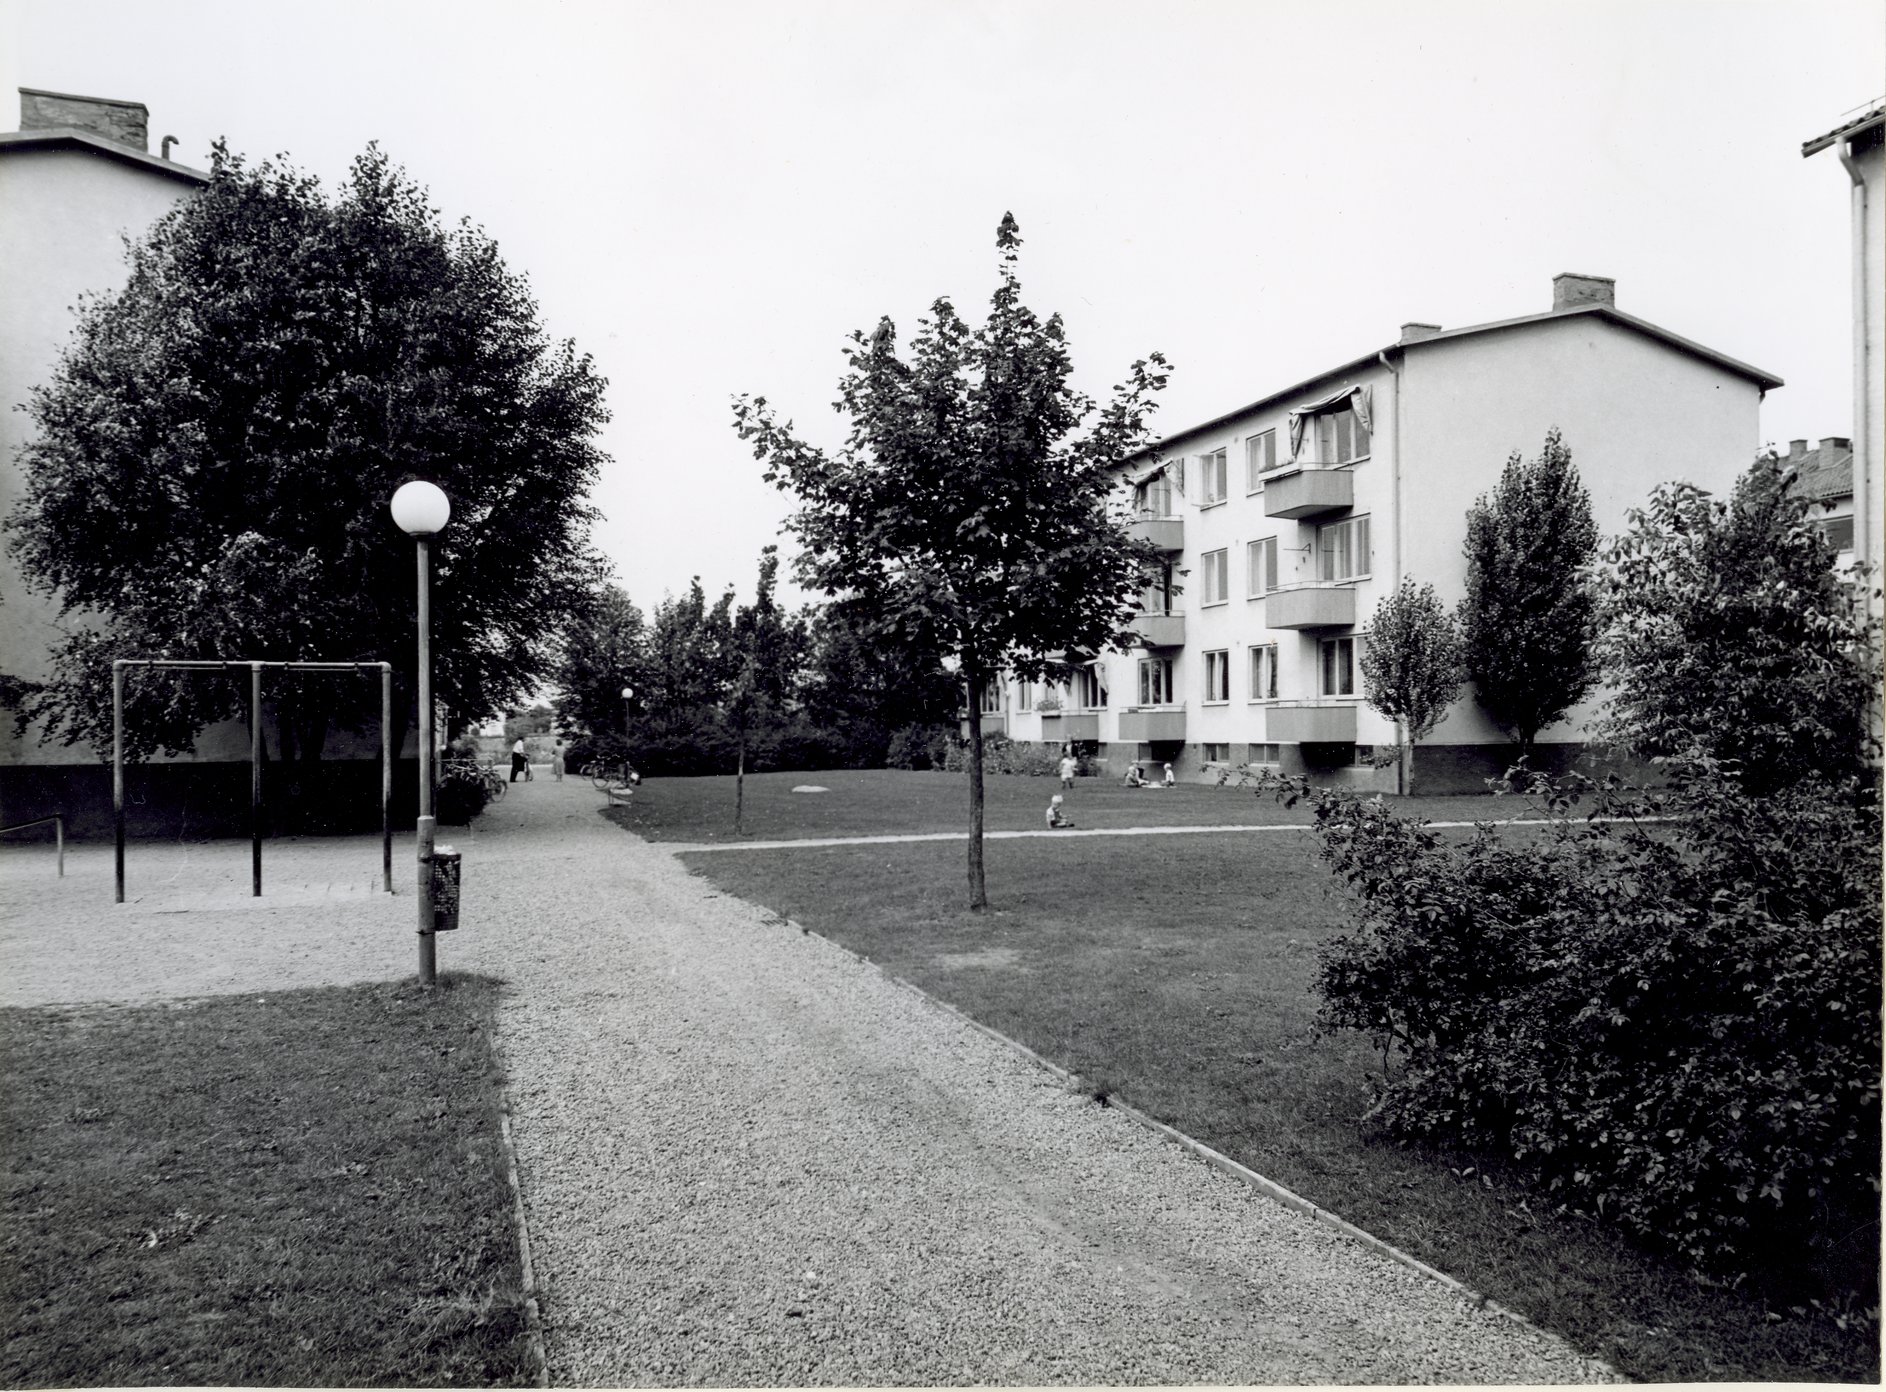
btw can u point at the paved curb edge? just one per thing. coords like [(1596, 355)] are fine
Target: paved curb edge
[(533, 1313), (1217, 1159)]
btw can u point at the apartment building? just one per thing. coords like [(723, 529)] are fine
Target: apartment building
[(1285, 521)]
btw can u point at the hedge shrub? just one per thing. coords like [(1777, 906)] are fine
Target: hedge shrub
[(1674, 1023)]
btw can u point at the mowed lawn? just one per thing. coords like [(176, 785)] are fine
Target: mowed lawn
[(1176, 972), (893, 801), (293, 1189)]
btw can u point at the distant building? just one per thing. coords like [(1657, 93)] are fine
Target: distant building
[(1290, 518), (1860, 142), (1824, 477)]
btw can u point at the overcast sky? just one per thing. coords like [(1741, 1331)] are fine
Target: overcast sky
[(708, 196)]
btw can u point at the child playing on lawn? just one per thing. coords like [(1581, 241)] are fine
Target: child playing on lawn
[(1056, 818)]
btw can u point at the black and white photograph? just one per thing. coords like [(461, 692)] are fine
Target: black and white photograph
[(941, 693)]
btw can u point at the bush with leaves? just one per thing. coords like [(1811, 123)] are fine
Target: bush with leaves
[(1674, 1023), (919, 747)]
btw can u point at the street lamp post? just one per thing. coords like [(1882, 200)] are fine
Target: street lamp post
[(421, 509), (627, 693)]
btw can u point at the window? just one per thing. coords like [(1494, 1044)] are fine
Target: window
[(1212, 477), (1156, 598), (1260, 559), (1088, 692), (1342, 549), (1264, 672), (1838, 531), (1260, 457), (1338, 675), (1024, 694), (1340, 437), (1153, 498), (1218, 676), (1216, 579), (992, 696), (1263, 754), (1155, 681), (1217, 753)]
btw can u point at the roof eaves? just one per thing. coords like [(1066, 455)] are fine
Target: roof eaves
[(1365, 360), (1869, 117), (72, 136)]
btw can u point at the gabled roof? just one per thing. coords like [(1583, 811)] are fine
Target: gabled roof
[(1766, 381), (1823, 474), (72, 138), (1859, 119)]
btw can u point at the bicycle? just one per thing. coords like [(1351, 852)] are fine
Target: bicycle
[(606, 775), (473, 771)]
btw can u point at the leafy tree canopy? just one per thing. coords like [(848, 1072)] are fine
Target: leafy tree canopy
[(213, 458), (1411, 663), (974, 506), (1729, 635), (602, 650), (1527, 618)]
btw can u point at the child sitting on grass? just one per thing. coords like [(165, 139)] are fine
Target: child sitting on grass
[(1056, 818)]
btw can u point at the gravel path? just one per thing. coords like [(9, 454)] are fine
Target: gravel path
[(748, 1158)]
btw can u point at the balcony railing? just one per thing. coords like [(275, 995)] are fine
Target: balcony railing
[(1311, 723), (1144, 724), (1069, 725), (1308, 492), (1165, 533), (1310, 606), (993, 723), (1160, 630)]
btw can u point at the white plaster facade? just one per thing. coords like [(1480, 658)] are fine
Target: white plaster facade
[(1860, 142), (1636, 405)]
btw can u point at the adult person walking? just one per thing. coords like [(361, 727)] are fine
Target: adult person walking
[(556, 762), (520, 761), (1069, 767)]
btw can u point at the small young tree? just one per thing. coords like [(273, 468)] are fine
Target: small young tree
[(1411, 666), (1526, 622), (963, 511), (1728, 633)]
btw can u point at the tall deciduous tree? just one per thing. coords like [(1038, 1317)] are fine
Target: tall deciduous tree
[(689, 661), (1527, 619), (863, 685), (600, 652), (1727, 633), (1411, 665), (764, 649), (964, 509), (213, 458)]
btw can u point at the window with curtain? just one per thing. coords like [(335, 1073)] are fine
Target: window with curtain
[(1260, 457), (1214, 581), (1342, 549), (1264, 672), (1155, 681), (1341, 437), (1338, 667), (1212, 477), (1218, 675), (1261, 567)]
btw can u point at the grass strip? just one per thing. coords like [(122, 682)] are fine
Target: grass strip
[(1176, 972), (293, 1189)]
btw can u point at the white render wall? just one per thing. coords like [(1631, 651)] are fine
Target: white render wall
[(1633, 411)]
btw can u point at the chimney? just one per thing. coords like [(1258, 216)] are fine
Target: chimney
[(1415, 332), (1835, 443), (122, 122), (1796, 448), (1571, 291)]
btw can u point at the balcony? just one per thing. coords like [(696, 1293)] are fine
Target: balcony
[(992, 724), (1167, 534), (1310, 606), (1058, 727), (1309, 493), (1160, 630), (1311, 724), (1144, 724)]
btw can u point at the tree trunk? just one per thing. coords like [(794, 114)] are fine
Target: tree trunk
[(740, 786), (1404, 763), (978, 892)]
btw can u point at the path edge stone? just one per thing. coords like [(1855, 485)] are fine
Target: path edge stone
[(533, 1312), (1218, 1160)]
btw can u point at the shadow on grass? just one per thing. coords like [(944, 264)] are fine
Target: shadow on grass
[(305, 1187)]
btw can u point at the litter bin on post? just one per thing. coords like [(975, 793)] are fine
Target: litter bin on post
[(445, 881)]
